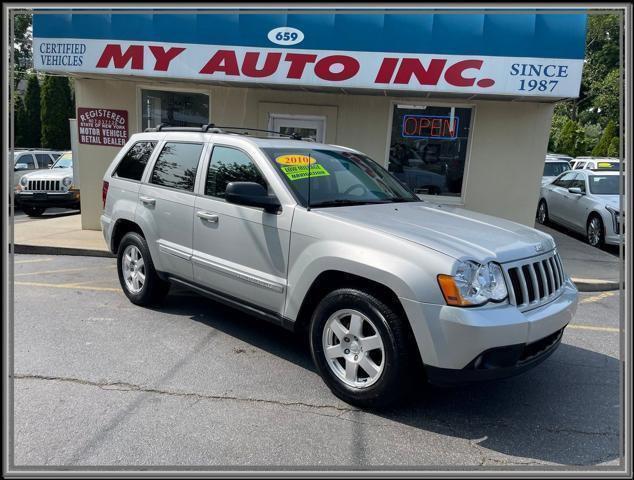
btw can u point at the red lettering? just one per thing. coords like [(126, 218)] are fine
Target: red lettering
[(412, 66), (386, 70), (223, 61), (250, 64), (454, 77), (424, 123), (436, 127), (350, 67), (164, 57), (112, 52), (298, 63), (406, 130)]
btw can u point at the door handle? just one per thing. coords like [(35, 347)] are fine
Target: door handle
[(148, 200), (209, 217)]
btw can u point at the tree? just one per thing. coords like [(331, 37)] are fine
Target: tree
[(613, 149), (19, 118), (22, 45), (571, 139), (56, 110), (601, 150), (32, 113)]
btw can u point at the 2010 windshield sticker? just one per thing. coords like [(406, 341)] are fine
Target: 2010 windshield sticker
[(295, 159), (300, 172)]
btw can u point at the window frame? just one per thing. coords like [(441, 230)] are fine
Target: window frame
[(147, 174), (149, 161), (416, 103), (33, 157), (203, 180), (139, 98)]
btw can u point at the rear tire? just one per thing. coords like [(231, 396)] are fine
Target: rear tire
[(32, 211), (137, 276), (542, 212), (363, 359)]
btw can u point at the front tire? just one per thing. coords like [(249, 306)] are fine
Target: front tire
[(595, 231), (32, 211), (542, 212), (361, 348), (137, 275)]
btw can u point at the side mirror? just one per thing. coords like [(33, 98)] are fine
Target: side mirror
[(21, 166), (576, 191), (251, 194)]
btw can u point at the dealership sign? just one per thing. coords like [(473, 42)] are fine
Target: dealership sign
[(285, 55), (102, 126)]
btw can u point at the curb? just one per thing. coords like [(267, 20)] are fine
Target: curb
[(48, 250), (593, 285)]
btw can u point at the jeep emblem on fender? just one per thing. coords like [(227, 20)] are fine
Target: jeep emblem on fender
[(539, 247)]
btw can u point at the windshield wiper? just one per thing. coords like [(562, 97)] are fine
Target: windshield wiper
[(344, 202)]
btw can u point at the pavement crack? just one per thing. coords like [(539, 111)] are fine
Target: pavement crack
[(130, 387)]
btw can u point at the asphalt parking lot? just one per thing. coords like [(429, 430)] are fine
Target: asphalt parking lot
[(99, 381)]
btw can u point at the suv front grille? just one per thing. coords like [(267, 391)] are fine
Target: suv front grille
[(45, 185), (535, 281)]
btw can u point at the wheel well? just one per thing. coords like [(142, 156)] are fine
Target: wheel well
[(331, 280), (594, 214), (120, 229)]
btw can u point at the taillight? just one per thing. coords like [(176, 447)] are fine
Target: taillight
[(104, 192)]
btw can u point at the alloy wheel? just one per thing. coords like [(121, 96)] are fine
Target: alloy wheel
[(353, 348), (541, 213), (133, 268), (594, 232)]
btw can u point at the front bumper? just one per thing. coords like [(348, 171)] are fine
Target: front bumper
[(466, 344), (47, 199)]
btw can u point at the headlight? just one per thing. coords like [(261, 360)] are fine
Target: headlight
[(24, 181), (474, 284), (67, 181)]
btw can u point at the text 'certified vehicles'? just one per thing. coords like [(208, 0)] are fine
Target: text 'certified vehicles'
[(320, 239), (53, 187), (586, 201)]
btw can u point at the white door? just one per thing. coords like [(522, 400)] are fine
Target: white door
[(306, 126)]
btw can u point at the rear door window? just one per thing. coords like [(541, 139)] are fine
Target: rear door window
[(177, 165), (134, 161)]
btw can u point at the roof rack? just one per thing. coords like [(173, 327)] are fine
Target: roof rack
[(212, 128)]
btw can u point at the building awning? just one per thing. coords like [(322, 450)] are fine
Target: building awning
[(483, 52)]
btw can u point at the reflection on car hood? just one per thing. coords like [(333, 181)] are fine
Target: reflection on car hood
[(50, 174), (454, 231), (609, 200)]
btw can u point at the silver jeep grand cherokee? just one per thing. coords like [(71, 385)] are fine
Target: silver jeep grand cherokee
[(320, 239)]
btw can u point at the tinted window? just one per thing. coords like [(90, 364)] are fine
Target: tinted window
[(565, 180), (44, 160), (578, 182), (229, 165), (579, 165), (28, 159), (176, 165), (428, 148), (552, 169), (604, 184), (179, 109), (134, 161)]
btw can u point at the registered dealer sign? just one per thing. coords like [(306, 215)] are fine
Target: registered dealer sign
[(102, 126)]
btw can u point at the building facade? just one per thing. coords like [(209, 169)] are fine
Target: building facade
[(456, 105)]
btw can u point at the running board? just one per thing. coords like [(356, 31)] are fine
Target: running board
[(233, 302)]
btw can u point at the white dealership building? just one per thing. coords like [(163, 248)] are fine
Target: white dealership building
[(457, 105)]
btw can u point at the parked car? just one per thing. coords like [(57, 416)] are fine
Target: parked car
[(596, 163), (320, 239), (49, 188), (586, 201), (553, 167), (27, 160)]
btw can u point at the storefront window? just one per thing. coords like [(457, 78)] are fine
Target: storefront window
[(428, 148), (178, 109)]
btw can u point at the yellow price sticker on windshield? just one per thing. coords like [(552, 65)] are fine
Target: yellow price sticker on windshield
[(604, 165), (295, 159), (300, 172)]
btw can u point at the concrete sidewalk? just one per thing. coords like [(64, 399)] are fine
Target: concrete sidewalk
[(590, 268)]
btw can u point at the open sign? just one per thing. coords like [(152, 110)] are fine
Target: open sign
[(430, 126)]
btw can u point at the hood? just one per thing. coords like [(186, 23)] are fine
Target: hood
[(611, 201), (547, 180), (50, 174), (454, 231)]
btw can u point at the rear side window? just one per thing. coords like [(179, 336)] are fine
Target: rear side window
[(134, 161), (230, 165), (176, 165)]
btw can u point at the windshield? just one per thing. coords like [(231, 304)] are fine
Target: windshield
[(65, 161), (552, 169), (337, 178), (613, 166), (604, 184)]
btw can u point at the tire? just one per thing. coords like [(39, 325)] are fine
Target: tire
[(394, 357), (32, 211), (595, 231), (147, 291), (542, 212)]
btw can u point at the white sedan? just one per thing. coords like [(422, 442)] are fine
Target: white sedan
[(586, 201)]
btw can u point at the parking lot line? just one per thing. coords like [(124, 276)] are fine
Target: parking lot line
[(591, 327), (69, 286), (63, 270), (35, 260), (596, 298)]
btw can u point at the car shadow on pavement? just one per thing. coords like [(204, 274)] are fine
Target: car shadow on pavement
[(565, 411), (611, 249)]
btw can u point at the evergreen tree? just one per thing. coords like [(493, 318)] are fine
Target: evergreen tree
[(613, 149), (19, 117), (32, 130), (56, 108), (601, 150)]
